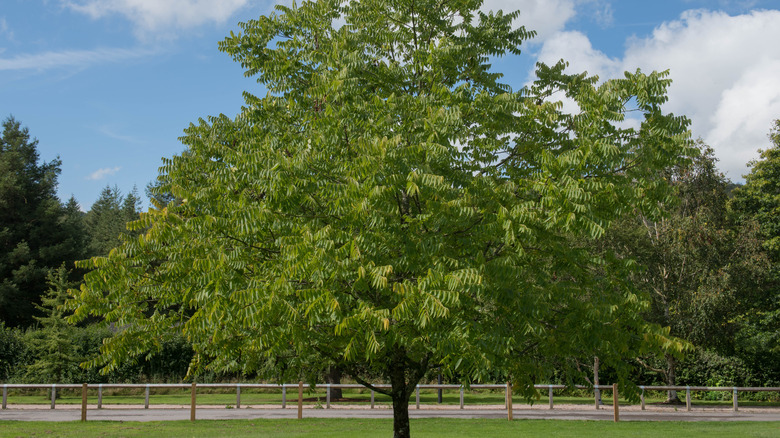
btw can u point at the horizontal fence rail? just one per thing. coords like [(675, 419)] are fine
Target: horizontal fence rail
[(237, 387)]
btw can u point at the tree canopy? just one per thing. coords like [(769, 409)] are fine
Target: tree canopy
[(107, 219), (36, 231), (390, 206), (759, 201)]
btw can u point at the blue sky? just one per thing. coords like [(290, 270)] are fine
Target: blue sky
[(109, 85)]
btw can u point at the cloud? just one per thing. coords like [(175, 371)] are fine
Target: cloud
[(5, 30), (160, 15), (71, 58), (576, 49), (110, 132), (544, 16), (102, 173), (724, 70)]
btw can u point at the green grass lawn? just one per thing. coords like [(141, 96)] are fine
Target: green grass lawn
[(428, 427), (249, 397)]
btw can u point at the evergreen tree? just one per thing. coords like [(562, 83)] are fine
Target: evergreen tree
[(37, 233), (107, 220), (55, 356)]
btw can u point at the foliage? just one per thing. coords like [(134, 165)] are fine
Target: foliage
[(758, 201), (699, 269), (157, 195), (705, 367), (390, 207), (759, 198), (55, 359), (35, 230), (12, 351), (107, 219)]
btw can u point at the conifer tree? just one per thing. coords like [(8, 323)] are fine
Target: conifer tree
[(36, 231)]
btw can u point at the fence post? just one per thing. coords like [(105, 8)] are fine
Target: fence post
[(100, 396), (146, 397), (372, 399), (284, 395), (193, 402), (615, 401), (509, 401), (417, 396), (734, 398), (461, 396), (53, 394), (642, 396), (300, 399), (238, 396), (5, 396), (83, 402), (327, 395), (688, 398), (550, 395)]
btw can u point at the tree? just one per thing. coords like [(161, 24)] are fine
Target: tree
[(759, 198), (35, 230), (391, 207), (55, 360), (700, 269), (158, 198), (759, 201), (107, 219), (12, 351)]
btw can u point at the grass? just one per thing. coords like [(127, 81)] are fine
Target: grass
[(250, 397), (427, 427)]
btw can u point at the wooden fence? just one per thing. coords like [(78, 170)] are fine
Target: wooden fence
[(507, 388)]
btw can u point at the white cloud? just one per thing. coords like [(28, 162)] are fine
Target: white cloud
[(576, 49), (70, 58), (160, 15), (104, 172), (544, 16), (724, 70), (744, 114)]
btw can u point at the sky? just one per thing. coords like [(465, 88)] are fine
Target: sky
[(109, 85)]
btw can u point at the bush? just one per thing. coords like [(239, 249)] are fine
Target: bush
[(12, 351)]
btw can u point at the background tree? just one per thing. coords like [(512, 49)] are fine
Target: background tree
[(390, 207), (758, 201), (759, 198), (107, 219), (699, 269), (12, 351), (36, 233), (54, 355)]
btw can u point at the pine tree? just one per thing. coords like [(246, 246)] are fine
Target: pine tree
[(56, 359), (36, 231)]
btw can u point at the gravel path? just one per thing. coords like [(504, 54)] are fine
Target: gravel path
[(560, 412)]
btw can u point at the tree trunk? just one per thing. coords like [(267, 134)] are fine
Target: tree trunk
[(671, 379), (334, 377), (400, 396), (596, 381)]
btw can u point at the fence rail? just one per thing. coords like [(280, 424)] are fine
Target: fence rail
[(329, 386)]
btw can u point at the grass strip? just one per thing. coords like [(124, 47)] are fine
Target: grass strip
[(424, 427)]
